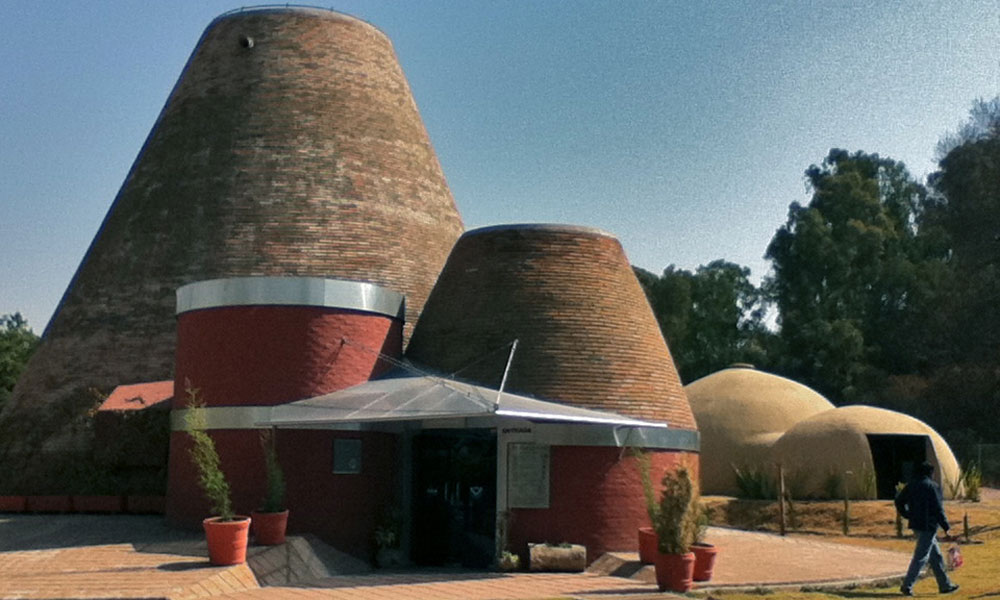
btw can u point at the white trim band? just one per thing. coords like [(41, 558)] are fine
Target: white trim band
[(290, 291)]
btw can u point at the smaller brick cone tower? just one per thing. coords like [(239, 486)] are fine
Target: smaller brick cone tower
[(587, 337), (290, 146)]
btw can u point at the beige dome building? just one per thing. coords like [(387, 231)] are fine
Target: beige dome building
[(741, 412), (867, 442)]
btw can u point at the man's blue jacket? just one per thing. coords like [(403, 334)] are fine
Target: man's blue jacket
[(920, 502)]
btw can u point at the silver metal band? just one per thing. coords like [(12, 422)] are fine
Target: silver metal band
[(554, 434), (290, 291)]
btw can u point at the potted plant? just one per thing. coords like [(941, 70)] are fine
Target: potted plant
[(675, 525), (508, 562), (226, 532), (270, 523), (647, 535), (388, 538), (704, 553)]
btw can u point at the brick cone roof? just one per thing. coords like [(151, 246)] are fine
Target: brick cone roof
[(290, 145), (587, 335)]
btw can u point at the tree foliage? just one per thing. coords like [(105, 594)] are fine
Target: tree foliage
[(711, 318), (17, 343), (964, 213), (886, 291), (852, 277)]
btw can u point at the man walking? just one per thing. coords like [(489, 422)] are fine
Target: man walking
[(920, 502)]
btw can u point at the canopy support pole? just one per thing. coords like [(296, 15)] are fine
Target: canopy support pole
[(506, 370)]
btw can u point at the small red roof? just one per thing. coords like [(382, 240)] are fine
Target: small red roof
[(138, 396)]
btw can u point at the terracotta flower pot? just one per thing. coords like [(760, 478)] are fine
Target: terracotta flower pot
[(227, 540), (269, 527), (704, 561), (674, 572), (647, 545)]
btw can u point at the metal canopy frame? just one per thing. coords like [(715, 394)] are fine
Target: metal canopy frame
[(429, 397)]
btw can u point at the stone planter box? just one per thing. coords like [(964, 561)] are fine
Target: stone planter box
[(144, 505), (98, 504), (12, 503), (49, 504), (571, 558)]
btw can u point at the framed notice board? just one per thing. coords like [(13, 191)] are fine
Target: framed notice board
[(527, 475)]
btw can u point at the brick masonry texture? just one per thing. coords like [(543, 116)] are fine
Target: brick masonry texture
[(302, 155), (595, 499), (341, 509), (267, 355), (587, 335)]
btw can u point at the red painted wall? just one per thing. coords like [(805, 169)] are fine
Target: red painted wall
[(266, 355), (341, 509), (595, 499)]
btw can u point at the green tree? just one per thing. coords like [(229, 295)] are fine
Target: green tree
[(711, 318), (966, 209), (852, 276), (964, 215), (17, 342)]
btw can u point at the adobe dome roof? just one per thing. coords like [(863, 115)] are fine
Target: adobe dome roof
[(836, 439), (740, 412), (587, 335)]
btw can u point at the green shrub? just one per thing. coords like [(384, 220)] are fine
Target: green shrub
[(676, 519), (972, 480), (274, 497), (867, 485), (833, 484), (954, 487), (652, 508), (796, 483), (755, 483), (206, 459)]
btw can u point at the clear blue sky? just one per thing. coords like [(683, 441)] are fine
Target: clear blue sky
[(681, 127)]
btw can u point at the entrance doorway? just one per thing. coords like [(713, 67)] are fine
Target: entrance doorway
[(896, 458), (454, 497)]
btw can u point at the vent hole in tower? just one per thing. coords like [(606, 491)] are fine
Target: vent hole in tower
[(246, 41)]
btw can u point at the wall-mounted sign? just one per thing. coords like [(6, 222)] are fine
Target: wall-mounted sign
[(527, 475), (346, 456)]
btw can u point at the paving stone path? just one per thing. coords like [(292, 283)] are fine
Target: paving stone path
[(138, 557)]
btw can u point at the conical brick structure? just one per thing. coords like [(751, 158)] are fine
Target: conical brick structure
[(586, 333), (290, 146)]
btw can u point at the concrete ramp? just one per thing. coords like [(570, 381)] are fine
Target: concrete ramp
[(301, 560)]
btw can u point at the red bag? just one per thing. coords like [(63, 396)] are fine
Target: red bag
[(955, 557)]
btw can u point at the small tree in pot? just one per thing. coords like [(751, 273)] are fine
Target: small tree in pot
[(675, 524), (271, 522), (226, 532)]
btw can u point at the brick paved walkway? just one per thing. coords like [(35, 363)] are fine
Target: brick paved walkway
[(77, 556)]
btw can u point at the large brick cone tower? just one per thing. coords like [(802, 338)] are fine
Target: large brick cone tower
[(290, 145)]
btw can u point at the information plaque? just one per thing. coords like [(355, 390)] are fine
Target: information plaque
[(527, 476)]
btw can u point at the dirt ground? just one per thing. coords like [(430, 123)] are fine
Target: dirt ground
[(872, 524), (868, 518)]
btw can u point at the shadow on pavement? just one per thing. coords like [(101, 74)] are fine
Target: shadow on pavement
[(147, 533)]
